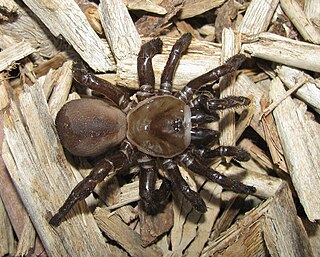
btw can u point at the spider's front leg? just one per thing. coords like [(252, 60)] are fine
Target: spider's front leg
[(145, 70), (175, 55), (186, 93), (152, 200), (84, 188), (189, 161), (211, 105)]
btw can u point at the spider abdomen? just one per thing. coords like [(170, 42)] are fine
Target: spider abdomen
[(88, 127), (160, 126)]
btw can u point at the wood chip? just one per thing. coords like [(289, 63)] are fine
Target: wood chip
[(66, 22), (14, 53), (146, 5), (121, 233), (279, 49), (258, 16), (299, 137), (298, 17), (245, 237), (192, 8)]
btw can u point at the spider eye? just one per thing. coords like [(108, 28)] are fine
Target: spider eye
[(177, 125)]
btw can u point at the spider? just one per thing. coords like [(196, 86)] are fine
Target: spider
[(161, 129)]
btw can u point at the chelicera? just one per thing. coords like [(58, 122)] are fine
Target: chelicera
[(161, 129)]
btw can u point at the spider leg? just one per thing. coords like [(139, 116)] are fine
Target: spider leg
[(145, 70), (85, 187), (173, 173), (112, 92), (175, 55), (152, 200), (211, 105), (186, 93), (203, 136), (195, 166), (224, 151), (199, 116)]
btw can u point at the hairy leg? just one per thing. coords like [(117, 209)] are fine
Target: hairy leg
[(210, 105)]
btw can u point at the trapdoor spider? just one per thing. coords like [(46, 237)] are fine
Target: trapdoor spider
[(162, 130)]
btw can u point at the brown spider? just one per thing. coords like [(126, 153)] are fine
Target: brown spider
[(162, 130)]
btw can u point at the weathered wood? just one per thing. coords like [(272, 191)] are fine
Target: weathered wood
[(257, 17), (313, 231), (309, 92), (275, 221), (299, 136), (27, 27), (9, 5), (14, 53), (200, 58), (121, 233), (119, 29), (210, 193), (283, 230), (62, 83), (312, 11), (27, 239), (298, 17), (146, 5), (34, 154), (192, 8), (283, 50), (230, 47), (7, 242), (66, 18), (246, 87)]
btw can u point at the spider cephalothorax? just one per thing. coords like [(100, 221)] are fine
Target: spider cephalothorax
[(162, 129)]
